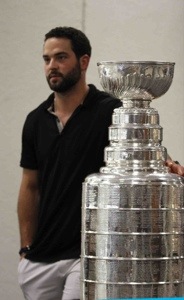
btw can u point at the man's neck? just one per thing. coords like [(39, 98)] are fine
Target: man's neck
[(66, 103), (69, 101)]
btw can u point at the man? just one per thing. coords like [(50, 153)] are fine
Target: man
[(63, 141)]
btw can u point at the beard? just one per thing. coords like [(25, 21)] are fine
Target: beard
[(67, 81)]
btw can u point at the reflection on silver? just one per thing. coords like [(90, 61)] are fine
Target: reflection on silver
[(133, 209), (136, 80)]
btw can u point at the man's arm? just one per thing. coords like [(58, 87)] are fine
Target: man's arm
[(27, 207)]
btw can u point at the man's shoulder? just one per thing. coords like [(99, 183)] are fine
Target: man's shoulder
[(102, 97), (44, 105)]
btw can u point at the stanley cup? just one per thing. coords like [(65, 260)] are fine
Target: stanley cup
[(133, 209)]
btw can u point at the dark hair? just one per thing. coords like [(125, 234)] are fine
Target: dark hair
[(79, 41)]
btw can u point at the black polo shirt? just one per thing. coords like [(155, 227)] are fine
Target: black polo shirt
[(63, 160)]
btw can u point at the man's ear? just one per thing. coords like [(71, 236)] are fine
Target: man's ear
[(84, 62)]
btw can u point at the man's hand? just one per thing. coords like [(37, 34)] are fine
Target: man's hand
[(175, 168)]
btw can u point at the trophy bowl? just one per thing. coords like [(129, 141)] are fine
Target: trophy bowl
[(136, 80)]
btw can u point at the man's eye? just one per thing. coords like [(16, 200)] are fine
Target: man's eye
[(46, 60), (61, 57)]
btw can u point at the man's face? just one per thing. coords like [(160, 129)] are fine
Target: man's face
[(62, 69)]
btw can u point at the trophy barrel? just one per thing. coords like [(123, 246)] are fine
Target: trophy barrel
[(133, 236)]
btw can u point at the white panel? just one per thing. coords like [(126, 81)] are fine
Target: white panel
[(23, 86), (144, 30)]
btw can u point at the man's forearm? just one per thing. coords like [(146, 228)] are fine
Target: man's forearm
[(27, 215)]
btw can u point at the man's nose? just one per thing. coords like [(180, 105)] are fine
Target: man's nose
[(53, 64)]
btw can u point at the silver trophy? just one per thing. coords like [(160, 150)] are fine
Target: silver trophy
[(133, 209)]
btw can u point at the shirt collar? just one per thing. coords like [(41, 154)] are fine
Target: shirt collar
[(88, 101)]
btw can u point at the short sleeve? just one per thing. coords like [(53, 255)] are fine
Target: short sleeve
[(28, 154)]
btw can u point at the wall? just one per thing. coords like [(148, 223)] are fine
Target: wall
[(118, 30)]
